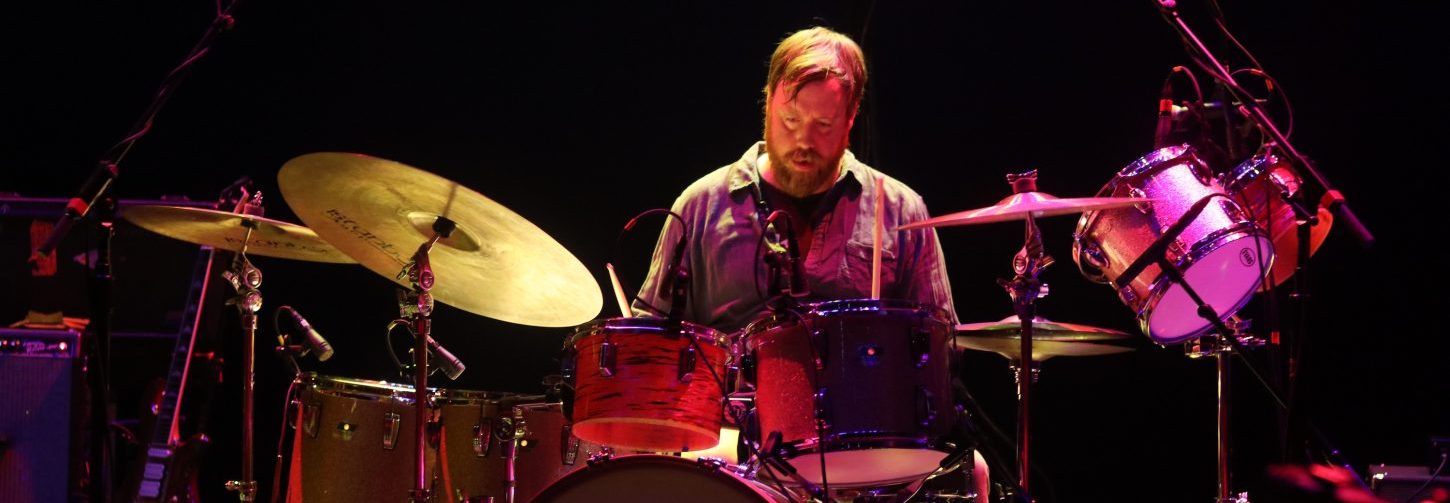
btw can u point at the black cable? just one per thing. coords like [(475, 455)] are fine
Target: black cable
[(614, 252), (1443, 456), (282, 437)]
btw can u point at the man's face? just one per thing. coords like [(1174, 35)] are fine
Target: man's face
[(806, 134)]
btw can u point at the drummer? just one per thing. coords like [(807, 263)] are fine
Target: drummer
[(803, 168), (813, 91)]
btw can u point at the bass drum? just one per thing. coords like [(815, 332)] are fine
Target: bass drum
[(651, 477)]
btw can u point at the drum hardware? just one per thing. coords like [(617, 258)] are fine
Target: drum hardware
[(416, 307), (1221, 349), (1332, 199), (1027, 204)]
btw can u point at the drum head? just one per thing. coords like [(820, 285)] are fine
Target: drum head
[(655, 478), (1225, 277)]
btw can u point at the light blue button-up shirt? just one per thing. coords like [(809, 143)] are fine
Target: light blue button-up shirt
[(729, 275)]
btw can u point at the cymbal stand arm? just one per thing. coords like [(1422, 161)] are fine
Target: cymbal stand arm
[(416, 305), (246, 281)]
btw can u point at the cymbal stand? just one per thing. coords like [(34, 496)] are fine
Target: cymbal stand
[(1025, 289), (416, 305), (1222, 349), (246, 280)]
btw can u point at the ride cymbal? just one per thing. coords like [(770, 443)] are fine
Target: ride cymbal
[(225, 231), (495, 264)]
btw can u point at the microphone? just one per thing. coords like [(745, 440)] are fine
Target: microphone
[(449, 364), (677, 280), (797, 287), (79, 206), (1164, 130), (310, 337)]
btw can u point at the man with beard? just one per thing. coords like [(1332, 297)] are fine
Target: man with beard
[(816, 80)]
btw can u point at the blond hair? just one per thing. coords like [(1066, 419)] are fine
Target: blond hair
[(815, 54)]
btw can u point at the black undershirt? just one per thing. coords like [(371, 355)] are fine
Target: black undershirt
[(802, 211)]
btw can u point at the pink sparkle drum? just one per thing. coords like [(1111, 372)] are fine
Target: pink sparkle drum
[(874, 371), (647, 384), (657, 478), (1223, 255)]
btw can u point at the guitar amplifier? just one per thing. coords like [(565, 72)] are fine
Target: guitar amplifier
[(41, 410), (1399, 483)]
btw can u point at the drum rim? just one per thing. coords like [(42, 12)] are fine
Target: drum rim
[(351, 387), (1154, 158), (706, 466), (775, 320), (1160, 286), (653, 324)]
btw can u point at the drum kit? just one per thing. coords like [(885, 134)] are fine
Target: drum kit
[(839, 400)]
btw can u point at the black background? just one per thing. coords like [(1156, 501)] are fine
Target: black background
[(577, 117)]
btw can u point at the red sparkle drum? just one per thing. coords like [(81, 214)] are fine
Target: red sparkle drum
[(875, 371), (630, 479), (1257, 184), (647, 384), (1222, 254)]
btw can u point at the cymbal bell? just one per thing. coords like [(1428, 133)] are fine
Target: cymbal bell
[(225, 231), (1023, 204), (494, 264), (1049, 339)]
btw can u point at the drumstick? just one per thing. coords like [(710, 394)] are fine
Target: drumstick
[(876, 239), (618, 291)]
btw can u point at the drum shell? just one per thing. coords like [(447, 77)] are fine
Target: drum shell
[(634, 389), (545, 449), (478, 437), (355, 442), (657, 478), (877, 372), (1257, 184)]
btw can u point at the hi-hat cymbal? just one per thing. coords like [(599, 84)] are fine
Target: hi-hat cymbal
[(495, 264), (225, 231), (1019, 206), (1049, 339)]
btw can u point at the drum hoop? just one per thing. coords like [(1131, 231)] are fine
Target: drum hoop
[(1219, 240), (362, 389), (840, 306), (702, 465), (1155, 158), (645, 324)]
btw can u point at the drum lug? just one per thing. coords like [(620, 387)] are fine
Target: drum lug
[(1144, 208), (310, 413), (392, 422), (606, 359), (569, 445), (482, 439), (603, 456), (747, 367), (1126, 293), (686, 370), (920, 346), (925, 406)]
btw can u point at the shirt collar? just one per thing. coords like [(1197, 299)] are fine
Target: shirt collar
[(745, 172)]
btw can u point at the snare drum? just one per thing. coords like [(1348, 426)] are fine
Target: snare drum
[(355, 442), (1257, 184), (647, 384), (875, 371), (1222, 254), (657, 478)]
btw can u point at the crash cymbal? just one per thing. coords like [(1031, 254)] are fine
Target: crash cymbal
[(1018, 206), (1042, 330), (1049, 338), (225, 231), (495, 264)]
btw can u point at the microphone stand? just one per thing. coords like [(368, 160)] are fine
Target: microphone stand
[(1332, 199), (416, 305)]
